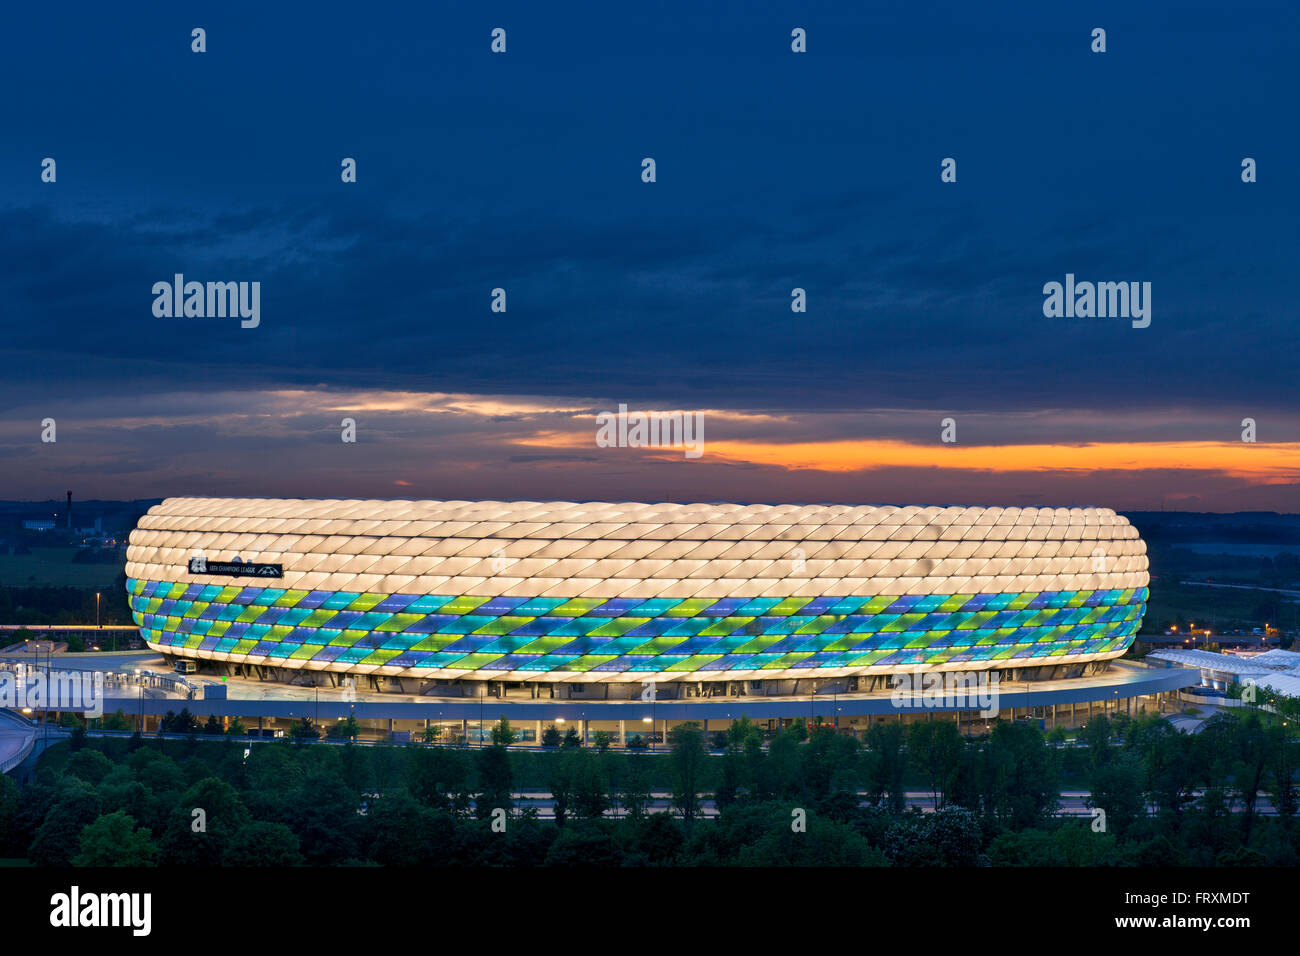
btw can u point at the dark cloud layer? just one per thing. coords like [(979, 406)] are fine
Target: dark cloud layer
[(775, 170)]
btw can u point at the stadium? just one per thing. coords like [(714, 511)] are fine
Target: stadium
[(595, 602)]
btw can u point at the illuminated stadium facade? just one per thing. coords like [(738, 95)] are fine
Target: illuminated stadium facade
[(732, 599)]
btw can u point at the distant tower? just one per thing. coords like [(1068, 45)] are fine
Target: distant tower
[(69, 510)]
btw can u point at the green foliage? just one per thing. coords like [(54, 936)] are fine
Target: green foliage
[(58, 839), (9, 834), (586, 845), (263, 844), (182, 723), (305, 729), (819, 798), (503, 734), (117, 720), (345, 729), (495, 780), (688, 755), (114, 840)]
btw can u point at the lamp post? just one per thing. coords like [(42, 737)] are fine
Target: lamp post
[(45, 715)]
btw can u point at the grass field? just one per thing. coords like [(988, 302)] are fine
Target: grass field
[(54, 566)]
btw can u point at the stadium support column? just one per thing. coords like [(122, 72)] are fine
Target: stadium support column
[(622, 732), (537, 733)]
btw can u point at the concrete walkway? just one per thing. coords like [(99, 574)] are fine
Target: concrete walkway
[(17, 735)]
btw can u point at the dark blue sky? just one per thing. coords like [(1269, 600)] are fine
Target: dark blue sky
[(522, 170)]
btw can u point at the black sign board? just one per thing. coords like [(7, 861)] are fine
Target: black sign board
[(235, 569)]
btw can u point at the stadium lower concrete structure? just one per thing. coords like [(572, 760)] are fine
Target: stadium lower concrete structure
[(145, 693)]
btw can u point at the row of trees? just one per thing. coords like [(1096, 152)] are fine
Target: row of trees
[(809, 796)]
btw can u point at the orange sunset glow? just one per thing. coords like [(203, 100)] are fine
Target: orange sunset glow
[(1276, 463)]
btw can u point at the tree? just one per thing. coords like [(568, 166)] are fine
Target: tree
[(1096, 734), (236, 728), (495, 780), (885, 765), (687, 757), (191, 839), (113, 840), (1170, 773), (90, 765), (264, 844), (182, 723), (8, 815), (550, 737), (602, 739), (741, 731), (729, 785), (1021, 780), (634, 788), (1282, 770), (345, 729), (323, 812), (58, 839), (304, 729), (1253, 752), (658, 839), (503, 734), (935, 748), (435, 777), (586, 844), (591, 789), (117, 720), (1116, 788), (213, 726), (571, 738), (562, 782)]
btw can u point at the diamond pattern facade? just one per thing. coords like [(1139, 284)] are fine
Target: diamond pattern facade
[(606, 591)]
